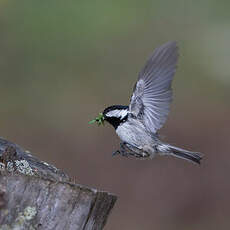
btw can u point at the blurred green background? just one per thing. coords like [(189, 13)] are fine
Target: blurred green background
[(62, 62)]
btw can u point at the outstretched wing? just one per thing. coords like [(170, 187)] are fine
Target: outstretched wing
[(152, 93)]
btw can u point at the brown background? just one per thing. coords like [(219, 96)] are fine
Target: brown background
[(62, 62)]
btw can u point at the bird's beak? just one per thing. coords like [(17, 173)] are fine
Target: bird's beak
[(99, 120)]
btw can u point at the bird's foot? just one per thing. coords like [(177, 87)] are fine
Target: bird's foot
[(122, 153), (123, 150), (116, 153), (138, 152), (127, 150)]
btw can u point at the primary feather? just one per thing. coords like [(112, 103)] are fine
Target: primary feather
[(152, 93)]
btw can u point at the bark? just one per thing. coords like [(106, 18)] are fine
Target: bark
[(37, 195)]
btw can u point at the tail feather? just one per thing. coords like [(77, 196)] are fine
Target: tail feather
[(187, 155), (184, 154)]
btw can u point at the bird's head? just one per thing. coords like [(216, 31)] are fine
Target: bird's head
[(115, 115)]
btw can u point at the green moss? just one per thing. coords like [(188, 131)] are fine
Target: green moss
[(2, 168), (24, 167), (10, 166), (23, 220), (30, 213)]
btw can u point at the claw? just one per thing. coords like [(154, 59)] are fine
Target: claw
[(116, 153), (124, 154)]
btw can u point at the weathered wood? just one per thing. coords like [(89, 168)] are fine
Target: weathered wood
[(36, 195)]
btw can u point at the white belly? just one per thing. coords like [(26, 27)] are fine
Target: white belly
[(134, 133)]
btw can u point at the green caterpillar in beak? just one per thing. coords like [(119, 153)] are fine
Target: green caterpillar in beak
[(100, 120)]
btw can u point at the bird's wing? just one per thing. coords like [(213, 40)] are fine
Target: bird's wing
[(152, 92)]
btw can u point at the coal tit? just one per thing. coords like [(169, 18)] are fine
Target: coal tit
[(137, 124)]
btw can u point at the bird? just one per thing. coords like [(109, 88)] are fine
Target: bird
[(137, 124)]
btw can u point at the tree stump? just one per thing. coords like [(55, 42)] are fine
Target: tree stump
[(37, 195)]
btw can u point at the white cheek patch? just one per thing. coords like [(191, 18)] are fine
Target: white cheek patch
[(119, 113)]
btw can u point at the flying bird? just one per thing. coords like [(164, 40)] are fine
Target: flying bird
[(138, 123)]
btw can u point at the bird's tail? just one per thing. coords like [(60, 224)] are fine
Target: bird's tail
[(180, 153)]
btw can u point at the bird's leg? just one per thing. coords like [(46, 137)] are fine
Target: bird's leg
[(122, 151), (117, 152), (130, 150), (138, 152)]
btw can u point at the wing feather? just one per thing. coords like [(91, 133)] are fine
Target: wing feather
[(152, 93)]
